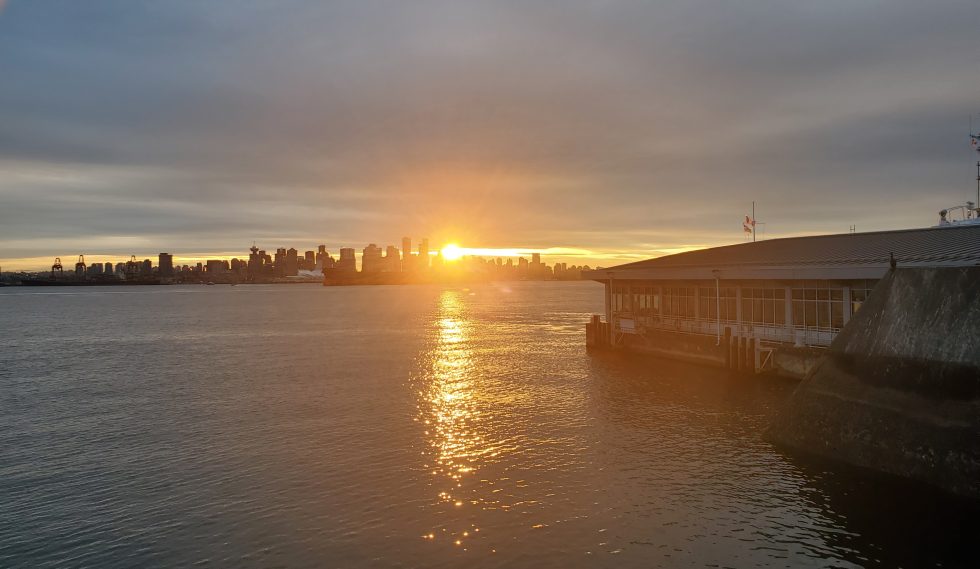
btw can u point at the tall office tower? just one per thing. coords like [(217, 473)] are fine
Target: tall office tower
[(310, 260), (166, 264), (371, 261), (321, 255), (147, 269), (424, 253), (392, 260), (406, 253), (279, 262), (255, 261), (535, 259), (292, 262), (347, 263)]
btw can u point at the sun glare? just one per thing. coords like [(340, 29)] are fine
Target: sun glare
[(452, 252)]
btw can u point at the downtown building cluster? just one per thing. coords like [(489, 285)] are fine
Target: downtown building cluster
[(390, 265)]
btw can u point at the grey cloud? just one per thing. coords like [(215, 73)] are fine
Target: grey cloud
[(566, 123)]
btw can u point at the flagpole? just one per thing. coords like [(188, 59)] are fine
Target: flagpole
[(977, 139)]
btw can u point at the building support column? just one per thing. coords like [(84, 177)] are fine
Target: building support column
[(738, 310), (609, 316), (788, 314)]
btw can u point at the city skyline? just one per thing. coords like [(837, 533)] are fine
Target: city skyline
[(43, 263), (611, 135), (262, 265)]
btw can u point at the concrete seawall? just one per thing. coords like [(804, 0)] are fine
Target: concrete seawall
[(899, 390)]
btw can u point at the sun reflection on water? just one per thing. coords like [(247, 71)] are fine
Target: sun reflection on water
[(449, 407)]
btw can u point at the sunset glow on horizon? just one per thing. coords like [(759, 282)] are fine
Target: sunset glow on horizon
[(469, 126)]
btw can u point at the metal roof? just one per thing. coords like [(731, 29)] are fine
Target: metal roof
[(841, 256)]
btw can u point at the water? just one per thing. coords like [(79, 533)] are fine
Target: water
[(302, 426)]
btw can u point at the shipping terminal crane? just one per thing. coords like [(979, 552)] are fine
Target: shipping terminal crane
[(56, 269), (80, 266)]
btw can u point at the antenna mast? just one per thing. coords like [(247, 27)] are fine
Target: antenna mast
[(975, 144)]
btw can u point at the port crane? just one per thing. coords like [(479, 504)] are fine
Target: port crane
[(80, 266), (57, 269)]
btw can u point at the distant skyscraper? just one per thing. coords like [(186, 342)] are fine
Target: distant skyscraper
[(166, 264), (423, 260), (406, 253), (292, 262), (279, 262), (321, 255), (347, 262), (392, 262), (256, 261), (310, 257), (371, 259)]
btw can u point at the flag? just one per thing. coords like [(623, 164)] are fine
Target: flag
[(748, 224), (975, 142)]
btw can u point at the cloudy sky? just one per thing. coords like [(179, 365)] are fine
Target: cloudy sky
[(605, 129)]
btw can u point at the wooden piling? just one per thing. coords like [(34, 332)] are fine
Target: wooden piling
[(727, 344)]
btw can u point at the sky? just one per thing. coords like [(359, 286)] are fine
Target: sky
[(597, 132)]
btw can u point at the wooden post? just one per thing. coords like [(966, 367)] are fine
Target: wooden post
[(727, 343)]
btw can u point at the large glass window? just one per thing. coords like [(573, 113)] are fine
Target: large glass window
[(764, 306), (709, 305), (818, 304), (620, 298), (645, 301), (679, 302), (860, 290)]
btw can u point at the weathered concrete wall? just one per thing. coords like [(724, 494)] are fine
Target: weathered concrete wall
[(694, 348), (795, 362), (899, 390), (787, 361)]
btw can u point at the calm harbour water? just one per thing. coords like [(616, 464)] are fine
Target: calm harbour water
[(415, 426)]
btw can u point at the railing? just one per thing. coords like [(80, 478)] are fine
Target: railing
[(629, 323)]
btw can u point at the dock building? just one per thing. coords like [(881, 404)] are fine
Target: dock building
[(773, 305)]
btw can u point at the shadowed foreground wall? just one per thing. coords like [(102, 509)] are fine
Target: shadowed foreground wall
[(899, 390)]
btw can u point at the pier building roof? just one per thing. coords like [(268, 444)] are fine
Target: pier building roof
[(840, 256)]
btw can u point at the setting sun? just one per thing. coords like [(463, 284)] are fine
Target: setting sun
[(452, 252)]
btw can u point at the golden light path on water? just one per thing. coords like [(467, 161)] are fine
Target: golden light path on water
[(453, 409)]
